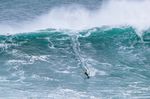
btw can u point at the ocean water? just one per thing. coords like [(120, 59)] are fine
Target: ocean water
[(46, 46)]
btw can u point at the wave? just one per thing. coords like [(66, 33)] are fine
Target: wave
[(54, 51), (49, 58), (112, 13), (105, 44), (99, 37)]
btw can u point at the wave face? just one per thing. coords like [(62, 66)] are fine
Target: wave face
[(51, 63)]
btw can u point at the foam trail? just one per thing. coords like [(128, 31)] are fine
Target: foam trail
[(112, 13)]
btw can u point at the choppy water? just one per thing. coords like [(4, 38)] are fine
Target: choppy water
[(39, 62)]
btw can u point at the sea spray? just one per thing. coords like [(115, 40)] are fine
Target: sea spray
[(112, 13)]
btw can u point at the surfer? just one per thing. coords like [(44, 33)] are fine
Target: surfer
[(87, 75)]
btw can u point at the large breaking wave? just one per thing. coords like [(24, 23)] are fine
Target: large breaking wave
[(48, 59), (52, 52)]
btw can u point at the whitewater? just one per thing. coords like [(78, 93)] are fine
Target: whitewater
[(47, 46)]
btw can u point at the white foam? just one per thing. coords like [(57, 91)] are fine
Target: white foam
[(113, 13)]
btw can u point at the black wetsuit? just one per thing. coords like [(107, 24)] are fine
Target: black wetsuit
[(87, 75)]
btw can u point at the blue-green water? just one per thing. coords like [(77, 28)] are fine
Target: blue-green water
[(50, 63)]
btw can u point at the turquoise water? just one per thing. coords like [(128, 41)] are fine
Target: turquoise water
[(51, 63), (46, 46)]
